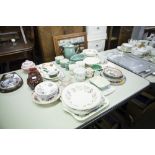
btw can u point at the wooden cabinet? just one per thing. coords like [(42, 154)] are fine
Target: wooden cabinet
[(116, 35), (45, 36)]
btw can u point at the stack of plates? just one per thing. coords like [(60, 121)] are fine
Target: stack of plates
[(115, 76), (49, 71), (82, 99)]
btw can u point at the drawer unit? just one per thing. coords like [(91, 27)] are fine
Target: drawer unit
[(96, 32), (99, 45)]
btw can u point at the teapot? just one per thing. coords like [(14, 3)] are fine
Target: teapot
[(69, 50)]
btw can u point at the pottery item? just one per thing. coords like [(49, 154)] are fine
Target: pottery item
[(72, 67), (10, 82), (89, 61), (96, 67), (34, 78), (69, 50), (89, 72), (100, 82), (63, 62), (81, 96), (58, 58), (126, 47), (27, 64), (153, 51), (90, 52), (78, 57), (46, 90), (80, 63), (80, 74)]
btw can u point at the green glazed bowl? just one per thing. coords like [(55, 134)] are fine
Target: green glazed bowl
[(96, 67), (78, 57)]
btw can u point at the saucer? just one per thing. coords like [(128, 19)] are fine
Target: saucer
[(37, 100)]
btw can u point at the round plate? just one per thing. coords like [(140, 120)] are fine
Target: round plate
[(37, 100), (10, 82), (91, 61), (112, 73), (81, 96)]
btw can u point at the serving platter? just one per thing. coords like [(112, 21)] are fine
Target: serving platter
[(10, 82), (81, 96)]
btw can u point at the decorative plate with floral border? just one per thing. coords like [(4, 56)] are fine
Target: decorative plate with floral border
[(81, 96)]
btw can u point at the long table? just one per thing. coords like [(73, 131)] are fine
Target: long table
[(18, 111)]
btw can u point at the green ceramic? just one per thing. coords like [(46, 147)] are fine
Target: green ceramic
[(63, 62), (96, 67), (67, 64), (77, 57), (69, 51)]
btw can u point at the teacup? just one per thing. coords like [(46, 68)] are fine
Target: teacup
[(58, 58), (80, 74), (63, 62), (89, 72), (72, 67)]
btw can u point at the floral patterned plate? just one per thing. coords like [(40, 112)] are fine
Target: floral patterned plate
[(81, 96)]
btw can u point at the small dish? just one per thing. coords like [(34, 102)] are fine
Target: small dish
[(96, 67)]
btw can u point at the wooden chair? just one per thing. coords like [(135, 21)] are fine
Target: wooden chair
[(73, 38)]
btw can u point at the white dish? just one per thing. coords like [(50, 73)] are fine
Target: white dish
[(49, 71), (37, 100), (81, 96), (91, 114), (46, 90), (91, 61), (90, 52)]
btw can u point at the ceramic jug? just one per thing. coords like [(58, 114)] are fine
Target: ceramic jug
[(69, 50)]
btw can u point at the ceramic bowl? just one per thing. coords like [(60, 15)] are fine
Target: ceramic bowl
[(63, 62), (58, 58), (46, 90), (126, 47), (90, 52), (27, 65), (89, 61)]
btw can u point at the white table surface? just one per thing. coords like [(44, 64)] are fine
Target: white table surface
[(151, 78), (18, 111)]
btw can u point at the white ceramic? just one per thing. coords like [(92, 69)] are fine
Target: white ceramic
[(58, 58), (153, 52), (63, 62), (126, 47), (90, 52), (80, 74), (140, 51), (72, 67), (80, 64), (92, 60), (89, 72), (27, 65), (81, 96), (46, 90)]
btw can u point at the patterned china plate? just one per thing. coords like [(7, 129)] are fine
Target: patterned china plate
[(112, 72), (81, 96), (45, 70)]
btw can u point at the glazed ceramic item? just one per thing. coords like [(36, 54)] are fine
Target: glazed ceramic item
[(64, 62), (90, 52), (46, 90), (81, 96), (69, 50), (49, 71), (80, 74), (80, 63), (126, 47), (89, 61), (112, 73), (27, 65), (89, 72), (78, 57), (34, 78), (100, 82), (71, 68), (58, 58), (10, 82), (96, 67)]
